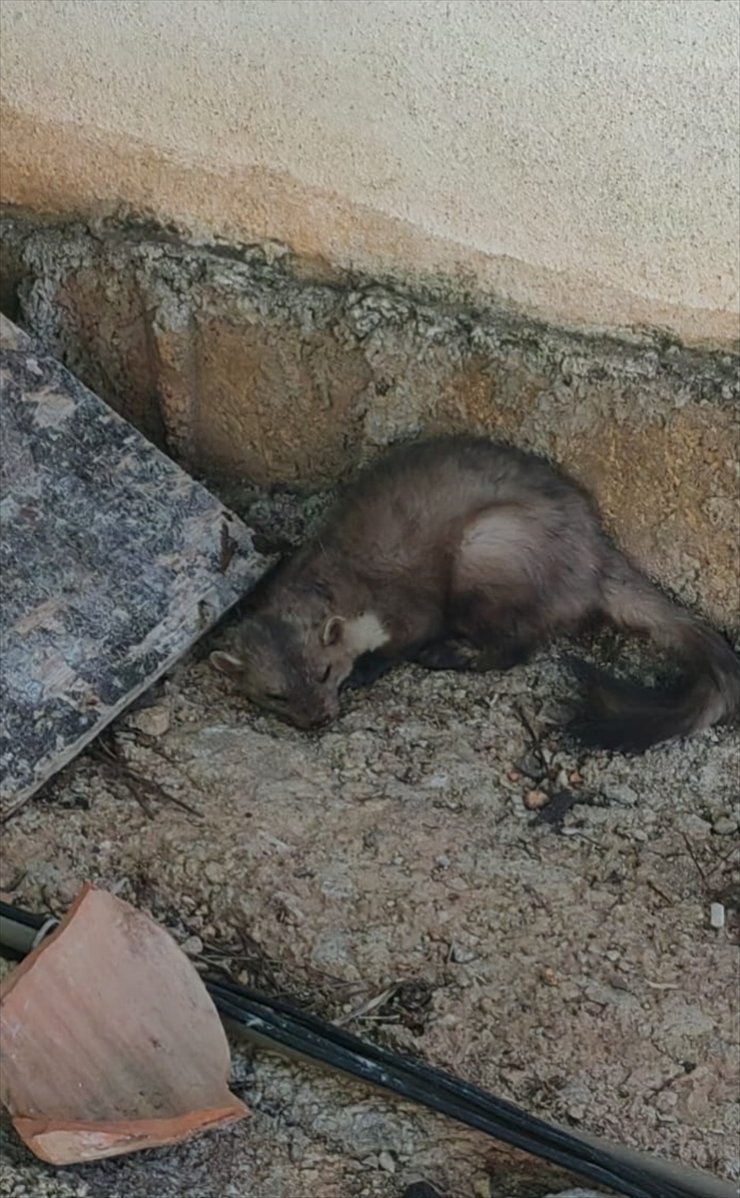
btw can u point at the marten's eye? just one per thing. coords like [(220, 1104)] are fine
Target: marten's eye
[(326, 673)]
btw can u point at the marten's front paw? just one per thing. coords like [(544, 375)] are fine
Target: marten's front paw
[(505, 656), (367, 670)]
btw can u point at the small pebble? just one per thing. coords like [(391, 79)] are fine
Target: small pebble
[(534, 799), (67, 890), (531, 765), (717, 915), (461, 956), (386, 1161), (622, 793), (726, 825), (153, 721), (193, 946), (695, 826)]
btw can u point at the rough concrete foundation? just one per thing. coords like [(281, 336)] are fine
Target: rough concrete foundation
[(251, 366)]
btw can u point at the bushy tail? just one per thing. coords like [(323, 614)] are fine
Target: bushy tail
[(623, 716)]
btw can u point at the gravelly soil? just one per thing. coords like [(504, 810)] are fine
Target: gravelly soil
[(536, 920)]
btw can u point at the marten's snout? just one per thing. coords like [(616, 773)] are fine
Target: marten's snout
[(310, 721), (328, 711), (317, 714)]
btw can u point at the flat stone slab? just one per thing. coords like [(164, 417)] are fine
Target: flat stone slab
[(113, 561)]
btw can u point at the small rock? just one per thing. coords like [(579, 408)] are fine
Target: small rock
[(534, 799), (549, 977), (152, 721), (531, 765), (192, 947), (386, 1161), (726, 825), (67, 890), (333, 951), (717, 915), (622, 793), (214, 872), (460, 955), (695, 826)]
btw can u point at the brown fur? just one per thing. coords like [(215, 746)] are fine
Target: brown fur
[(461, 553)]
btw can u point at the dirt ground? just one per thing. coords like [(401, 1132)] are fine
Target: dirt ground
[(535, 919)]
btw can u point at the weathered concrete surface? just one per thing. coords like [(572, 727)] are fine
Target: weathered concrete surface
[(567, 964), (251, 366), (113, 561)]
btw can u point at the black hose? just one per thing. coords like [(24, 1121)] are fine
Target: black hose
[(278, 1025), (283, 1028), (21, 931), (407, 1084)]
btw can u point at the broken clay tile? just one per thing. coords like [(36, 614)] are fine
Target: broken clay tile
[(109, 1039)]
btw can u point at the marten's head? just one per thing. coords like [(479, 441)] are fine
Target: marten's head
[(291, 666)]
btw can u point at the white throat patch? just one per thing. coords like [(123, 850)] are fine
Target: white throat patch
[(365, 633)]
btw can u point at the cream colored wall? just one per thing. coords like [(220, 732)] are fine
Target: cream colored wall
[(578, 157)]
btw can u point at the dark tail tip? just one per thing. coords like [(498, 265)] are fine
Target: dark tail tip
[(626, 718), (618, 736)]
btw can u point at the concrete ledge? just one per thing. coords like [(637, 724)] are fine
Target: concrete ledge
[(252, 366)]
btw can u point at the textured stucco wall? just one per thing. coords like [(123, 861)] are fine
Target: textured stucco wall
[(580, 158)]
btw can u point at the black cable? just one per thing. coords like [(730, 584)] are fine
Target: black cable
[(307, 1036), (280, 1026), (405, 1085)]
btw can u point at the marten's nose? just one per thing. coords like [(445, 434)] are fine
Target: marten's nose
[(312, 719), (323, 714)]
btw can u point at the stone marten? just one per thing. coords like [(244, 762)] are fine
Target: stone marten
[(460, 553)]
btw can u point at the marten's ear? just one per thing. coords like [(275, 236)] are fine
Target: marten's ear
[(333, 629), (227, 663)]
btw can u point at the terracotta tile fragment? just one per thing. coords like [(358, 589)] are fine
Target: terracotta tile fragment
[(109, 1039)]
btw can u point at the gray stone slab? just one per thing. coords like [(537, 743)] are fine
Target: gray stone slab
[(113, 561)]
